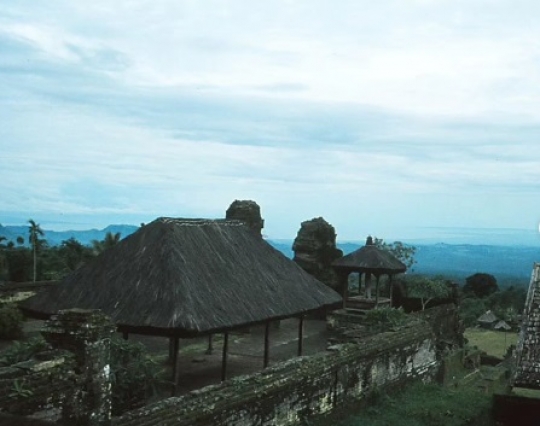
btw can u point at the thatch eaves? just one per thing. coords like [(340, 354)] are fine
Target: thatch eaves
[(502, 325), (487, 317), (186, 277)]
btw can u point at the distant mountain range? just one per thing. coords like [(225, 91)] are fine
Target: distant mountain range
[(507, 262), (55, 238)]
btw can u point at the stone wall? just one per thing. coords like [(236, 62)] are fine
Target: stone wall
[(302, 388), (37, 385), (527, 370), (71, 380)]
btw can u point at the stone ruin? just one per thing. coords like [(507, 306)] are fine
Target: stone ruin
[(315, 249), (247, 211)]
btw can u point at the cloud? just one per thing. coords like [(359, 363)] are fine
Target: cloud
[(361, 112)]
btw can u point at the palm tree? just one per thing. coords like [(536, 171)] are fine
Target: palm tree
[(34, 232), (109, 241), (2, 255)]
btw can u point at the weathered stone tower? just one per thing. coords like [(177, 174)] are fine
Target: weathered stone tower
[(315, 250), (247, 211)]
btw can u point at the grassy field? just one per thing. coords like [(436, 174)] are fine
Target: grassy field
[(492, 342), (426, 405)]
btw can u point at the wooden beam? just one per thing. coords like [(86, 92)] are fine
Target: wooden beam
[(224, 357), (175, 370), (266, 344), (300, 335)]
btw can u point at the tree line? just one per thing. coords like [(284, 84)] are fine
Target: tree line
[(39, 261)]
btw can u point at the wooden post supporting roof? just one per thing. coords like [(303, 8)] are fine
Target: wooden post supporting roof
[(224, 357), (300, 335), (391, 285), (210, 348), (125, 335), (367, 281), (266, 344), (377, 290), (175, 346), (344, 283)]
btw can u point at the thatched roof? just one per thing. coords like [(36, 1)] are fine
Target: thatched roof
[(370, 259), (487, 317), (187, 277), (502, 325)]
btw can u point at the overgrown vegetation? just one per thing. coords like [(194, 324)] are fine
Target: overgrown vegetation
[(39, 261), (506, 304), (386, 316), (11, 321), (134, 375), (22, 351), (426, 405)]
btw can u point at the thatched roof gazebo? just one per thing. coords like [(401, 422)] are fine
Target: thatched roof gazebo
[(487, 319), (183, 278), (368, 260)]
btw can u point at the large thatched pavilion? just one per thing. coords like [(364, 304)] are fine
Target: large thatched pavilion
[(184, 278), (368, 261)]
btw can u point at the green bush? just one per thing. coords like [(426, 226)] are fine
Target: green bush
[(134, 375), (11, 321), (22, 351), (386, 316), (427, 405)]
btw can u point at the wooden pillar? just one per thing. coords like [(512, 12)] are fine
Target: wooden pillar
[(300, 335), (344, 282), (391, 285), (175, 345), (359, 283), (377, 290), (368, 285), (224, 357), (125, 335), (266, 344), (171, 350), (210, 348)]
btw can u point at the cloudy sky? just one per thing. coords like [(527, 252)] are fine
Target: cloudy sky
[(395, 118)]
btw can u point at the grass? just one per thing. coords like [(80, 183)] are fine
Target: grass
[(426, 405), (492, 342)]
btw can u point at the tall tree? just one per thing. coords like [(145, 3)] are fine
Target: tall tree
[(109, 241), (34, 232), (481, 284), (74, 254), (403, 252), (426, 289), (3, 261)]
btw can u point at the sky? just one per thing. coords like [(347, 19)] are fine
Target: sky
[(390, 118)]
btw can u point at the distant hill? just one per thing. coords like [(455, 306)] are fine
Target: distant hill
[(507, 262), (459, 261)]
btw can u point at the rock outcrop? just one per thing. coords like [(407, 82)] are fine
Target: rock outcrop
[(247, 211), (315, 250)]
